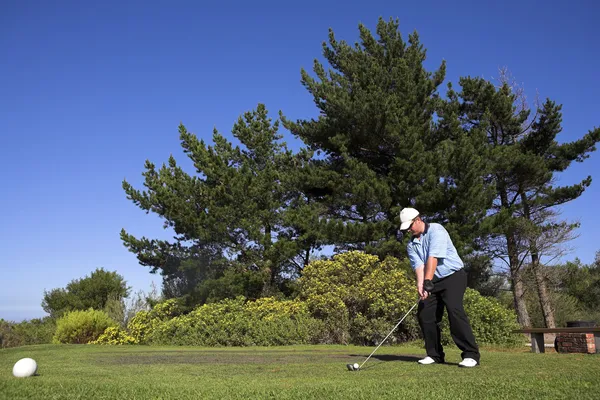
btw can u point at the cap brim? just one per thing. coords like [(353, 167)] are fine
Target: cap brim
[(405, 225)]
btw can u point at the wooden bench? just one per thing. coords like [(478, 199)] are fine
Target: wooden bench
[(537, 335)]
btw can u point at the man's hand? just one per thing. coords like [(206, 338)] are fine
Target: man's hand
[(423, 294), (425, 288)]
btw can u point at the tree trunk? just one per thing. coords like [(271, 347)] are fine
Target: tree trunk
[(517, 282), (515, 270), (306, 260), (545, 303), (538, 273), (272, 269), (519, 301)]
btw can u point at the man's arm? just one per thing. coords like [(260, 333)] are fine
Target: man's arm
[(427, 286), (438, 247), (430, 267), (417, 265), (419, 272)]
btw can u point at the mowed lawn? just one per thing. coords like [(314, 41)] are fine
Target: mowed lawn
[(296, 372)]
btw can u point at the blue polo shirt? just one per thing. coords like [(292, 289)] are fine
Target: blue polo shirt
[(434, 242)]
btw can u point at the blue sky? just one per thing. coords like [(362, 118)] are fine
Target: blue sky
[(89, 92)]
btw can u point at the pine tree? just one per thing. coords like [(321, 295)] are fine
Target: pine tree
[(234, 213), (376, 136), (468, 189), (524, 156)]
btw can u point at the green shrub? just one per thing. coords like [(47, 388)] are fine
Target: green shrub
[(35, 331), (82, 294), (282, 322), (8, 338), (287, 331), (565, 308), (115, 308), (80, 327), (114, 335), (233, 283), (360, 298), (492, 322), (235, 322)]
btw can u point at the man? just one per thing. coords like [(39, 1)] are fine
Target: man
[(441, 282)]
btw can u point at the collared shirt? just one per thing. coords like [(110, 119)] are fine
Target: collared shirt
[(434, 242)]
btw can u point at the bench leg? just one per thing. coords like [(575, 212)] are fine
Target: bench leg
[(597, 341), (537, 343)]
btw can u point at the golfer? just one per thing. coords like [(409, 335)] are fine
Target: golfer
[(441, 282)]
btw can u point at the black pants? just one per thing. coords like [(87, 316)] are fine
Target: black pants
[(448, 292)]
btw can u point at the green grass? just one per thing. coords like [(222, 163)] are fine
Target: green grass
[(296, 372)]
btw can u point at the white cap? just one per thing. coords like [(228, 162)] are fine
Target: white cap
[(406, 217)]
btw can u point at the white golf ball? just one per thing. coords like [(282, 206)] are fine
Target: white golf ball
[(25, 367), (355, 365)]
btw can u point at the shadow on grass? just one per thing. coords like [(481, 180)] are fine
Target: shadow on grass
[(383, 358)]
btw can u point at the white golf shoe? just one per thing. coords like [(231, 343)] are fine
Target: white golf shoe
[(467, 363), (426, 361)]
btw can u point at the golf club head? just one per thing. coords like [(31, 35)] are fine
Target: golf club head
[(352, 367)]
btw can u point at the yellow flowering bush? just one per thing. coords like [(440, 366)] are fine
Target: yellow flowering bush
[(270, 308), (237, 322), (114, 335), (352, 298), (360, 297), (145, 322)]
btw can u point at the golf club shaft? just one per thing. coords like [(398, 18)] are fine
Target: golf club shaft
[(383, 341)]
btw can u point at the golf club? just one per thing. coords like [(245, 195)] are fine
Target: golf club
[(355, 366)]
